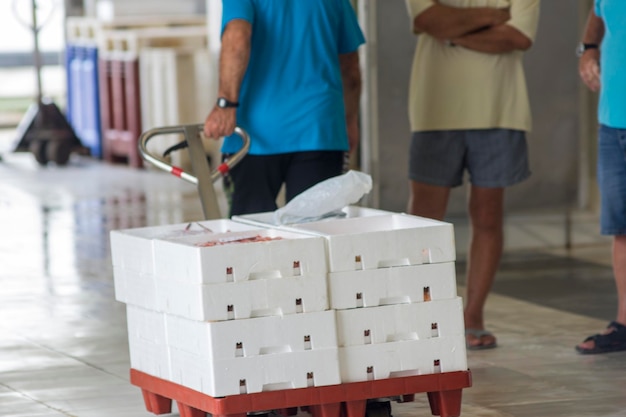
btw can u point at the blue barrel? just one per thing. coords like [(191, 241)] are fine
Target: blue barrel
[(90, 99), (83, 97), (70, 55)]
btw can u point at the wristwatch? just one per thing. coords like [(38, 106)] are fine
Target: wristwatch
[(582, 47), (224, 103)]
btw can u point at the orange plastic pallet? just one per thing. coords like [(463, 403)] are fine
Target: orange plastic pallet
[(349, 400)]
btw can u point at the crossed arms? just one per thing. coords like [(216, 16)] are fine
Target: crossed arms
[(482, 29)]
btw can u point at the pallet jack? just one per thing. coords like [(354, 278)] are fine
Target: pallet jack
[(44, 130)]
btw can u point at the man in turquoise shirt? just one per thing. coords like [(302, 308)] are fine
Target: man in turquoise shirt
[(602, 68), (290, 77)]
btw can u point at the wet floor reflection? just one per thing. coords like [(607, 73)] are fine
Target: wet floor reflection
[(55, 258)]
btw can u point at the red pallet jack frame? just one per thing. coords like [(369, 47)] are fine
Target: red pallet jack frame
[(345, 400), (444, 390)]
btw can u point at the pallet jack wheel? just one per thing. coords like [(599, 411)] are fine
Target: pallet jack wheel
[(59, 152), (39, 149), (378, 408)]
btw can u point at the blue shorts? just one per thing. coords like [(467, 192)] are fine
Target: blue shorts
[(494, 158), (612, 180)]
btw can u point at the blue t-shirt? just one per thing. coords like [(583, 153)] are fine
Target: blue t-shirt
[(291, 98), (612, 107)]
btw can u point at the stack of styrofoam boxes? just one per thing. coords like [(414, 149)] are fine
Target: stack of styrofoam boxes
[(119, 52), (132, 253), (223, 317), (392, 282)]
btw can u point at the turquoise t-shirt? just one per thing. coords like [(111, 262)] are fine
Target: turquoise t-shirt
[(291, 97), (612, 107)]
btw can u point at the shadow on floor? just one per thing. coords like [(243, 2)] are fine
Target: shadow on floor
[(559, 282)]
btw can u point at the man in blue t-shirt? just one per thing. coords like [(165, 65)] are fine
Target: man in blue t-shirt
[(602, 68), (289, 76)]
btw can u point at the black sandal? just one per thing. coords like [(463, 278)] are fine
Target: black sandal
[(606, 343)]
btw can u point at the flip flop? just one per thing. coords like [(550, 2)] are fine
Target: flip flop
[(606, 343), (478, 334)]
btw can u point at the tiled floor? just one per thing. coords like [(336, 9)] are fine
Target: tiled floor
[(63, 341)]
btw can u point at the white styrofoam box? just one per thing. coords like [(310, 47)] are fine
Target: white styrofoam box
[(400, 322), (132, 249), (119, 284), (147, 341), (231, 259), (135, 288), (126, 44), (245, 299), (149, 357), (146, 324), (86, 30), (398, 285), (175, 90), (224, 340), (271, 372), (383, 241), (266, 219), (406, 358), (110, 9)]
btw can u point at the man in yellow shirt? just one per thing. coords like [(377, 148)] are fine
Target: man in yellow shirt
[(469, 111)]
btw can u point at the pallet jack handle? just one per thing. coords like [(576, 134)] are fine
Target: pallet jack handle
[(203, 177)]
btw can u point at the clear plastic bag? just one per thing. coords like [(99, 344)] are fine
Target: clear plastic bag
[(325, 199)]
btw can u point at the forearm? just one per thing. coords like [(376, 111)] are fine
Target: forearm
[(499, 39), (588, 65), (351, 77), (352, 83), (594, 30), (234, 57), (445, 22)]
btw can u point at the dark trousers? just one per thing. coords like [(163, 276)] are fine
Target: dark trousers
[(257, 179)]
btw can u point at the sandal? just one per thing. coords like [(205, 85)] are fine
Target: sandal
[(614, 341), (478, 334)]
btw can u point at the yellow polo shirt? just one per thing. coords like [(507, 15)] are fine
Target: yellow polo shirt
[(454, 88)]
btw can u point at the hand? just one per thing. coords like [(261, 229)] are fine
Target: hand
[(589, 69), (220, 122)]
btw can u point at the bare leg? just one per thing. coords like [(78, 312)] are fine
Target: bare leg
[(619, 272), (486, 209), (427, 200)]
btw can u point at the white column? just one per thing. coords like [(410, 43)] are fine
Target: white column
[(369, 99)]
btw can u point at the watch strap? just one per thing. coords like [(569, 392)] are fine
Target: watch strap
[(582, 47), (224, 103)]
